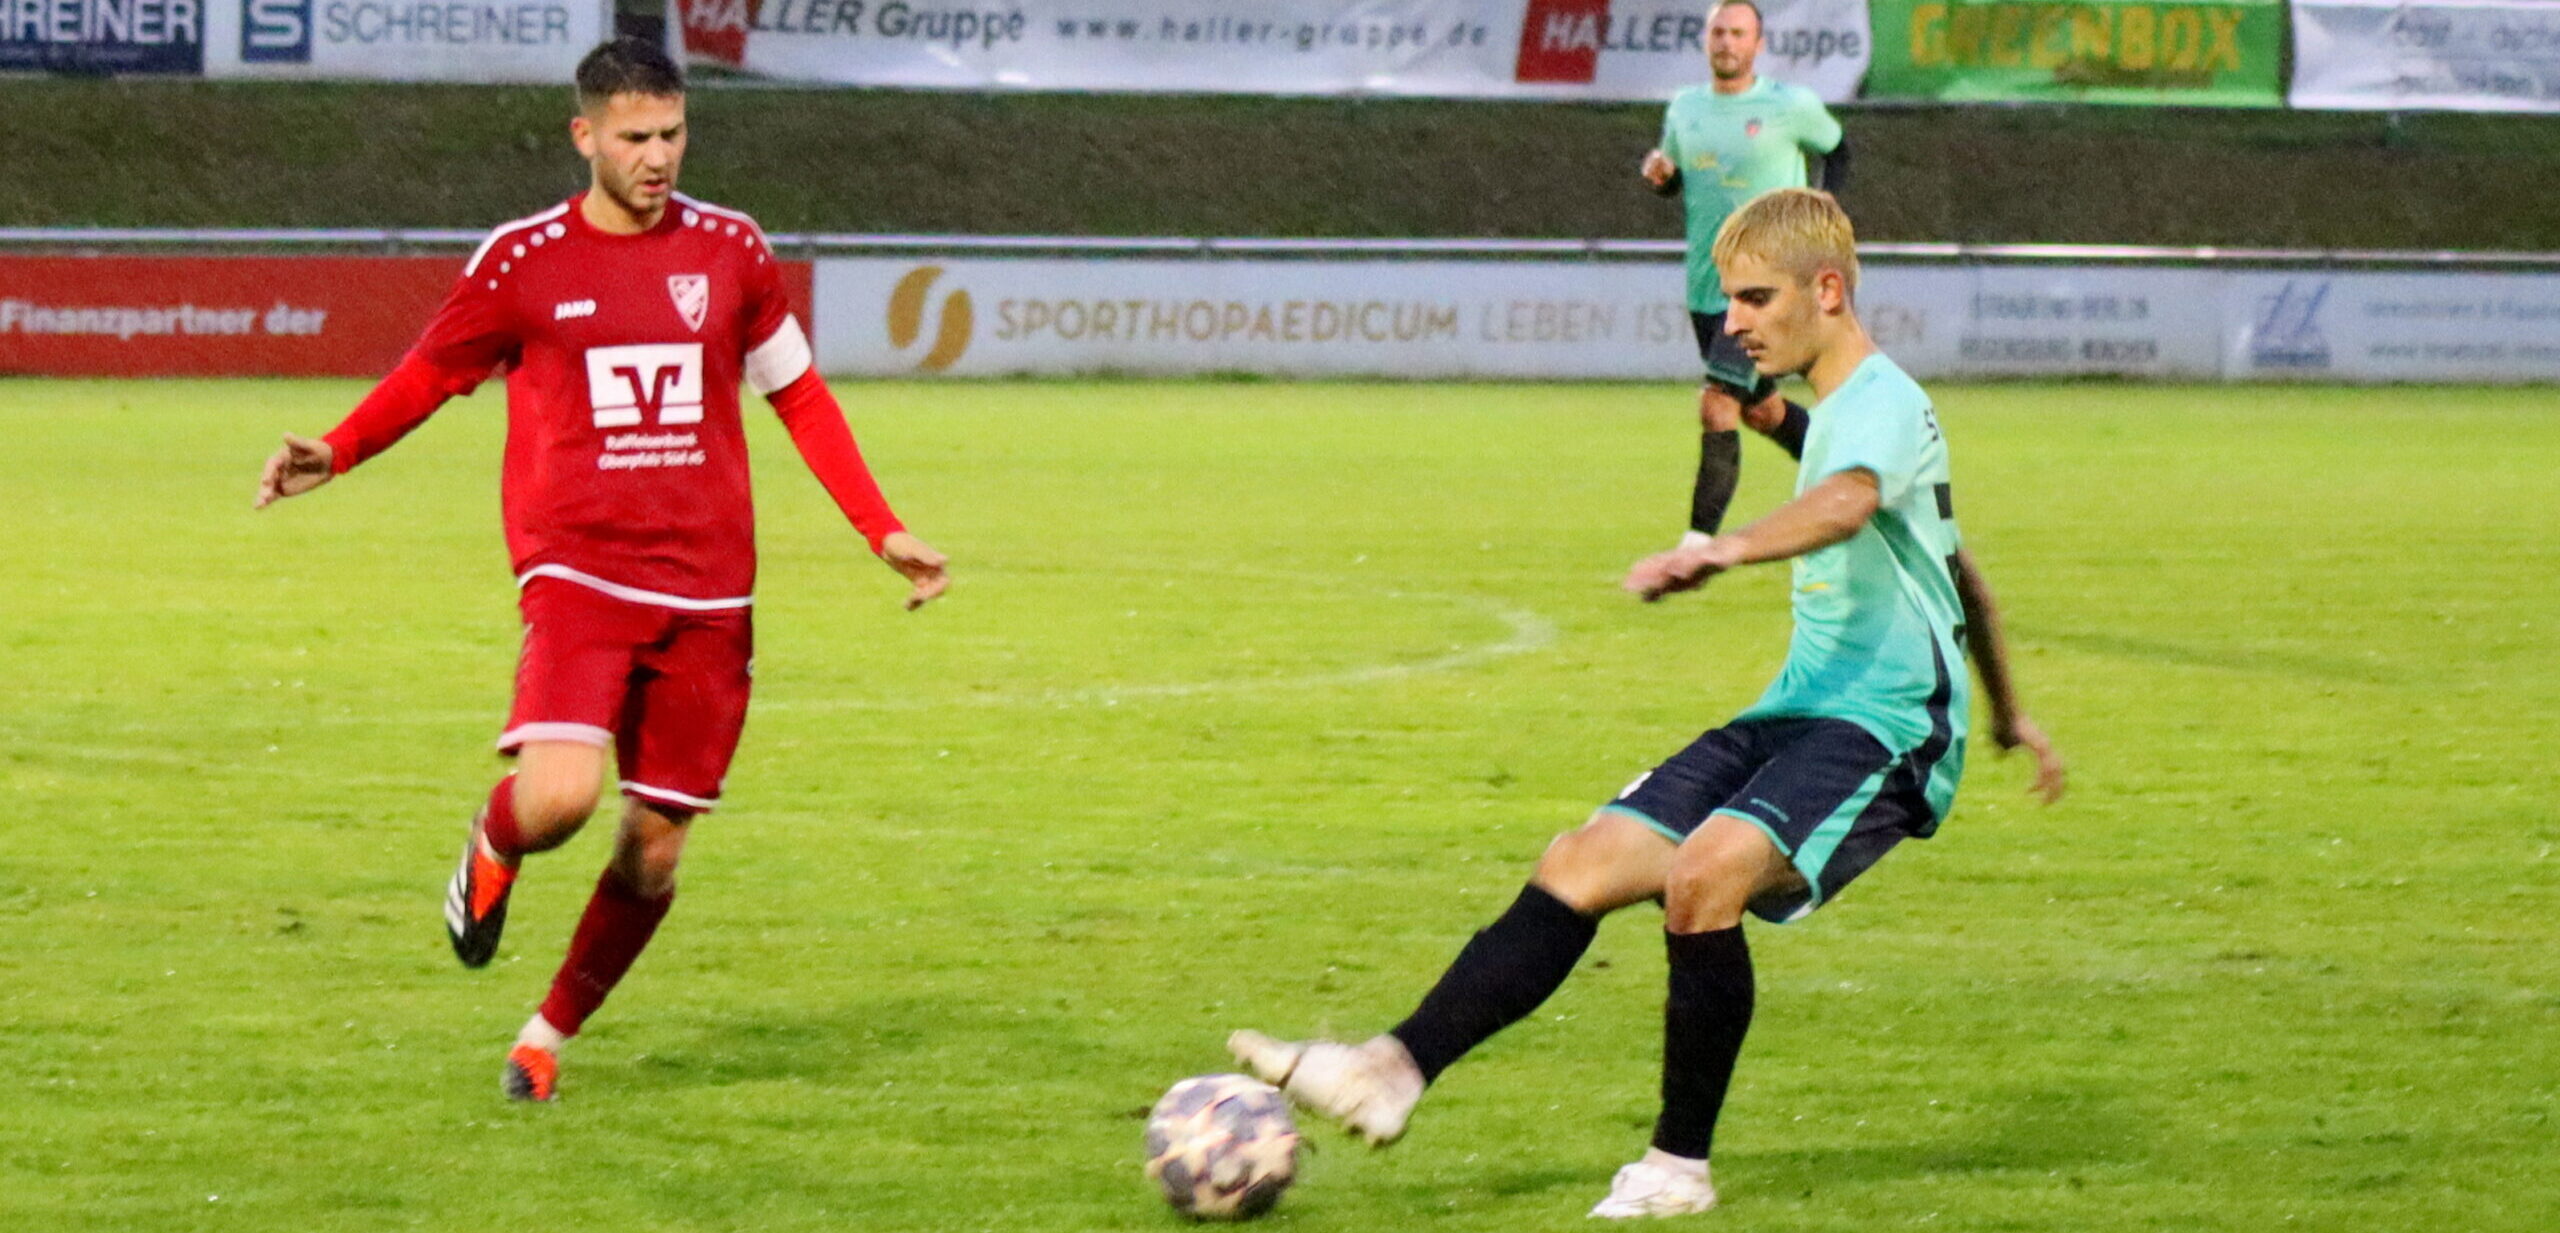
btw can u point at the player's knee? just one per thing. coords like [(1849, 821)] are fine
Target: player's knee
[(1580, 866), (1708, 886), (651, 845), (1718, 411), (647, 874), (552, 808)]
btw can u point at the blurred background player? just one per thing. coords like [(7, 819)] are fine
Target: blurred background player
[(1856, 746), (1724, 143), (626, 318)]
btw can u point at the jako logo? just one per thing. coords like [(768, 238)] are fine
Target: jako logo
[(275, 31), (906, 318)]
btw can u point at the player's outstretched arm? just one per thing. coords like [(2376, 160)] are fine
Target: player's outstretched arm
[(1823, 515), (1989, 649), (918, 563), (401, 402), (816, 422), (302, 465)]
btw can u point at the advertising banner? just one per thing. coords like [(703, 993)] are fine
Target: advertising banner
[(2045, 320), (2188, 52), (1559, 49), (2479, 55), (215, 316), (2392, 326), (226, 316), (1424, 319), (103, 36), (1468, 319), (527, 41)]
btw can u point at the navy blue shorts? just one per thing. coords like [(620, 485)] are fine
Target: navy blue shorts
[(1729, 367), (1830, 795)]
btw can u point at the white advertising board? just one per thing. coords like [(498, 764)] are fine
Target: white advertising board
[(2044, 320), (2392, 326), (1590, 320), (1423, 319), (1467, 319), (2465, 55), (524, 41), (1556, 49)]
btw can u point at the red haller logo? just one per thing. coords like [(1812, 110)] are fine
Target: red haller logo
[(716, 30), (692, 294), (1560, 41)]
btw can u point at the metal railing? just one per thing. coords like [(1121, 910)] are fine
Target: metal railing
[(831, 243)]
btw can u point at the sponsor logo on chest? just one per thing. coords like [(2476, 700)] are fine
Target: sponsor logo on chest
[(567, 309)]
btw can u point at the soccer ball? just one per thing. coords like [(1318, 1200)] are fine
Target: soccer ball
[(1222, 1147)]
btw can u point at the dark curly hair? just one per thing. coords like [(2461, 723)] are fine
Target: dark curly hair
[(627, 66)]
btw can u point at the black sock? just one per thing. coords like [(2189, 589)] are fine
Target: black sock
[(1790, 431), (1719, 470), (1506, 970), (1702, 1026)]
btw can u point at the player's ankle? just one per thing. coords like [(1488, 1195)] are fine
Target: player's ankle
[(538, 1033), (1686, 1166), (1391, 1052)]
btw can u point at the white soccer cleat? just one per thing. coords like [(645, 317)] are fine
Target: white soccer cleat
[(1645, 1189), (1371, 1089)]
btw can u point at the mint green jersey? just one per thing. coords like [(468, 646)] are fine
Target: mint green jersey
[(1878, 628), (1731, 148)]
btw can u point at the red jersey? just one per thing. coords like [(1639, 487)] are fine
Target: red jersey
[(626, 461)]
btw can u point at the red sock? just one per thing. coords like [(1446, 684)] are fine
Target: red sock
[(498, 822), (615, 929)]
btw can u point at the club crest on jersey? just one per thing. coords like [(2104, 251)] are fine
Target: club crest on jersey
[(692, 294), (1751, 127)]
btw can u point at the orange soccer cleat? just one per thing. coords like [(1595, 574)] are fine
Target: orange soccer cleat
[(475, 904), (533, 1073)]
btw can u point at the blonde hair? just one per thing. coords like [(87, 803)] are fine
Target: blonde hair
[(1799, 230)]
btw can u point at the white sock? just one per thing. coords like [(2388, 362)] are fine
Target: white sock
[(539, 1033), (1661, 1159)]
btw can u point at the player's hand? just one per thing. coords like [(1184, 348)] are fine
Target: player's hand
[(1685, 568), (2022, 732), (302, 465), (1657, 168), (920, 564)]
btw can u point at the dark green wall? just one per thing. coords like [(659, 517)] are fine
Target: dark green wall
[(245, 154)]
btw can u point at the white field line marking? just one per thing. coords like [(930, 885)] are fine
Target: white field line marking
[(1528, 633)]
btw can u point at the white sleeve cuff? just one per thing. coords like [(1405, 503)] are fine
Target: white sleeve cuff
[(780, 360)]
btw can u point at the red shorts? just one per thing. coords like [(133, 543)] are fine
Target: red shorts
[(665, 687)]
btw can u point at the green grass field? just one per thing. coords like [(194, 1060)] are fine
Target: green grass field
[(1251, 702)]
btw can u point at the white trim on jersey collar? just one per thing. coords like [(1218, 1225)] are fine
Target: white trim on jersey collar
[(632, 594), (780, 360), (506, 229), (719, 211)]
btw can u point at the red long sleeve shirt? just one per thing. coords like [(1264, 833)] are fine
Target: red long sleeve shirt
[(626, 461)]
